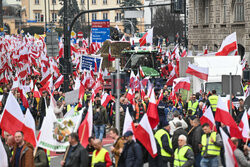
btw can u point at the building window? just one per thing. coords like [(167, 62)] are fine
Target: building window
[(118, 17), (206, 11), (54, 17), (53, 2), (94, 16), (82, 2), (239, 10), (118, 1), (37, 2), (224, 11), (93, 2), (38, 17), (105, 2), (105, 16), (196, 11)]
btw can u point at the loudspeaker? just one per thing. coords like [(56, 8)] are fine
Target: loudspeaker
[(246, 75), (236, 85)]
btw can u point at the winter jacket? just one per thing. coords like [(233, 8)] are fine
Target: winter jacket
[(41, 159), (174, 121), (26, 158), (78, 157), (131, 156), (196, 139), (241, 159), (179, 131), (101, 117), (117, 146)]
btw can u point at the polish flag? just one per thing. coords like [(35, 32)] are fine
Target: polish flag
[(127, 122), (23, 97), (37, 93), (181, 83), (200, 72), (160, 97), (184, 53), (147, 37), (95, 70), (205, 51), (12, 118), (110, 58), (29, 128), (143, 132), (130, 96), (208, 117), (171, 78), (244, 125), (152, 111), (222, 114), (85, 129), (45, 78), (141, 72), (150, 88), (229, 148), (36, 72), (229, 45), (105, 99), (59, 82), (3, 155)]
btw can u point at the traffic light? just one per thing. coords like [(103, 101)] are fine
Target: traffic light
[(178, 6), (41, 17)]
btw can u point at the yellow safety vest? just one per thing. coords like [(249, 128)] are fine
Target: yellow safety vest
[(48, 155), (245, 87), (98, 158), (210, 147), (179, 156), (213, 102), (193, 106), (158, 136)]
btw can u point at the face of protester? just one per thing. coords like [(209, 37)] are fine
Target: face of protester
[(206, 129), (18, 95), (18, 138), (97, 146), (181, 142), (112, 134), (128, 139), (193, 98)]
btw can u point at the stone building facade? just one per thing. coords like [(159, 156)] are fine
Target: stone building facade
[(210, 21)]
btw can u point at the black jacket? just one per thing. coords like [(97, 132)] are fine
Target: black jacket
[(177, 133), (78, 157), (131, 155), (196, 139)]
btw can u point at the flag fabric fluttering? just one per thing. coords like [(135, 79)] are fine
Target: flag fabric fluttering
[(200, 72), (228, 46), (147, 37)]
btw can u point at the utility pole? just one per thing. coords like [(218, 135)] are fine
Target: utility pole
[(66, 61), (88, 25), (1, 15), (185, 23), (45, 13)]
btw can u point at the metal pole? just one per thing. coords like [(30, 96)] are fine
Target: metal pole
[(117, 103), (1, 14), (185, 22), (230, 91), (49, 9), (66, 46), (45, 13), (88, 25)]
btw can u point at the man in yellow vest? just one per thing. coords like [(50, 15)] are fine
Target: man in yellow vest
[(193, 104), (211, 144), (213, 100), (164, 145), (100, 155), (183, 155)]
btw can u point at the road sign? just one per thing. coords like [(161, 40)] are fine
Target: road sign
[(88, 62), (100, 30), (52, 44), (80, 34)]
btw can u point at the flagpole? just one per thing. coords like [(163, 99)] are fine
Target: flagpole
[(83, 133)]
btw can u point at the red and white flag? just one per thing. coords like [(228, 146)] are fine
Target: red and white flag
[(127, 122), (105, 99), (160, 97), (141, 72), (143, 132), (208, 117), (184, 53), (222, 114), (29, 128), (147, 37), (59, 82), (3, 155), (152, 111), (130, 96), (110, 58), (244, 126), (206, 50), (36, 92), (45, 78), (228, 46), (23, 97), (171, 78), (229, 148), (85, 129), (181, 83), (200, 72)]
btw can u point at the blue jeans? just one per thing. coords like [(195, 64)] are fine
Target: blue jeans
[(99, 131), (209, 162), (197, 158)]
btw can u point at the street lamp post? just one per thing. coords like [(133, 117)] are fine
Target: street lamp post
[(132, 26)]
